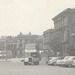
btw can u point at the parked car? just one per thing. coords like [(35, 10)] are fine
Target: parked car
[(53, 60), (67, 61), (73, 64), (62, 62), (49, 58), (58, 62)]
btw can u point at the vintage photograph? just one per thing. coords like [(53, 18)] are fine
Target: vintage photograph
[(37, 37)]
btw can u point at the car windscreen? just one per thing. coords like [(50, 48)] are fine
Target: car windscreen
[(66, 58), (71, 58), (55, 58), (30, 59)]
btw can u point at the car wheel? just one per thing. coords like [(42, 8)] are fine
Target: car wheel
[(25, 63), (69, 65)]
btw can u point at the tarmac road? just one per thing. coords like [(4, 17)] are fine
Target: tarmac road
[(18, 68)]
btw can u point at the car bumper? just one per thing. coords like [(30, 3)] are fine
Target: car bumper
[(73, 65)]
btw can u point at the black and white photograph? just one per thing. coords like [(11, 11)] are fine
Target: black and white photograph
[(37, 37)]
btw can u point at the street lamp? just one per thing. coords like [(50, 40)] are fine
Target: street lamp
[(58, 54), (6, 50)]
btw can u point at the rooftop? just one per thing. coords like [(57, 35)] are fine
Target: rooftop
[(64, 12), (49, 30)]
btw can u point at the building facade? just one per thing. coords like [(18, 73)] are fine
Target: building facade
[(17, 44), (62, 39), (48, 35), (64, 22)]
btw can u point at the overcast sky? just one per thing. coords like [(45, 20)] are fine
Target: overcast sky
[(33, 16)]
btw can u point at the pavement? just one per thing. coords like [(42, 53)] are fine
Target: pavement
[(11, 60)]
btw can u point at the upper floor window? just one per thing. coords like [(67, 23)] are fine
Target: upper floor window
[(15, 46), (20, 41), (20, 45)]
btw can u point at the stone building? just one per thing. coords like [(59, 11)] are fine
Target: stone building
[(17, 43), (62, 38), (47, 38), (48, 35), (22, 40), (64, 22)]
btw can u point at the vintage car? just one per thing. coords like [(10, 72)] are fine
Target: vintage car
[(73, 64), (26, 61), (67, 61), (31, 61), (53, 60), (58, 62)]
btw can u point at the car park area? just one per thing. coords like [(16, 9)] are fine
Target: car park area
[(67, 61)]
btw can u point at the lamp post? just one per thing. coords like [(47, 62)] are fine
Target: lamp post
[(6, 50)]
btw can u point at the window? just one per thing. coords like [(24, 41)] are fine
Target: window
[(15, 45), (20, 45)]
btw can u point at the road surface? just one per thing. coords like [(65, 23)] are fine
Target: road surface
[(18, 68)]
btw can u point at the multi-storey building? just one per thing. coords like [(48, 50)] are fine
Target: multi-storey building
[(64, 22), (63, 35), (47, 38), (48, 35), (23, 40), (17, 44)]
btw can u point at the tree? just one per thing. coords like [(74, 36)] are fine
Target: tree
[(56, 44)]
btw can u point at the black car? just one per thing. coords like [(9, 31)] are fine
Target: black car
[(31, 61)]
